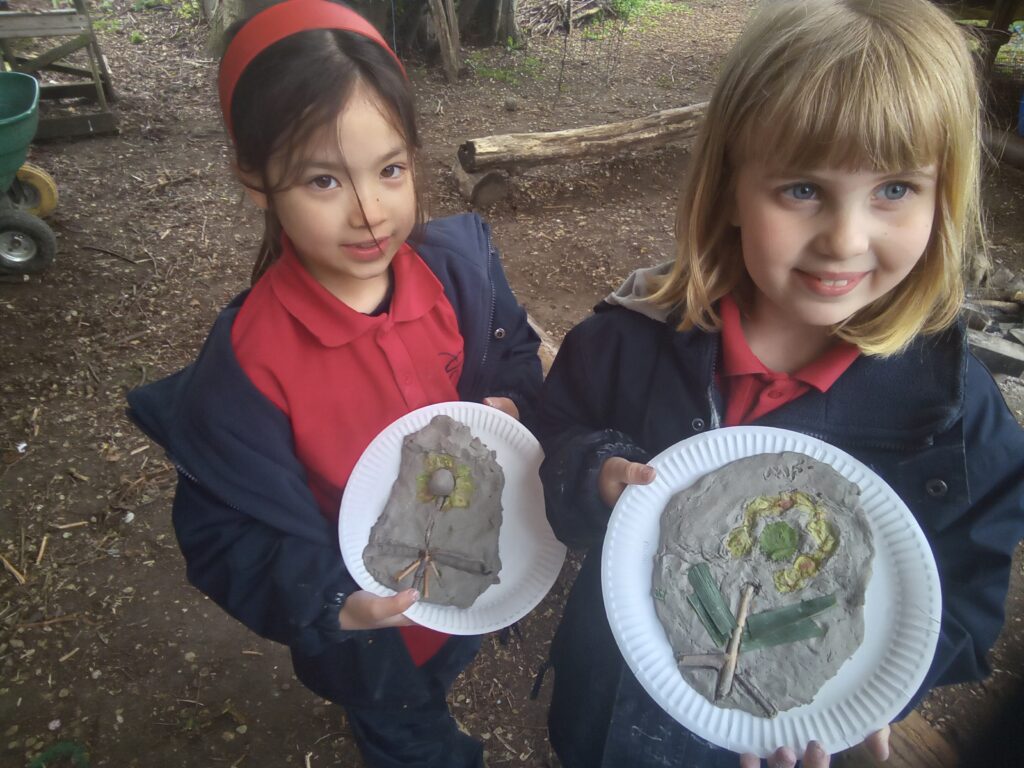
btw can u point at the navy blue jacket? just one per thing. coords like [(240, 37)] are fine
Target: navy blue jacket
[(253, 537), (930, 421)]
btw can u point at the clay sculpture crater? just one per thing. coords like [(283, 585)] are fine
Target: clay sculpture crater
[(440, 526), (759, 580)]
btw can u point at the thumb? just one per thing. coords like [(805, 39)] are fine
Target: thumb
[(639, 474), (396, 605), (385, 610)]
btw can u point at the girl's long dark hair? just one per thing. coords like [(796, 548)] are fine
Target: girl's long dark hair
[(294, 89)]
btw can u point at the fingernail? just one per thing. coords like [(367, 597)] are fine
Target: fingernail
[(648, 474), (816, 749)]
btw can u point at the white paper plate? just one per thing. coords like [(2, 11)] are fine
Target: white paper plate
[(903, 604), (531, 556)]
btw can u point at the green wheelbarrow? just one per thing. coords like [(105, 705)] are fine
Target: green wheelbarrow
[(27, 244)]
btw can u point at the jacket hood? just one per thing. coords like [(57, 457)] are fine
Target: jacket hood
[(635, 291)]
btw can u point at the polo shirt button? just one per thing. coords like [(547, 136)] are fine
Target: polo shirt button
[(936, 487), (774, 394), (697, 424)]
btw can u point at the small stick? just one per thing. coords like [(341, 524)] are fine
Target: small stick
[(729, 668), (108, 252), (68, 655), (408, 569), (716, 661), (759, 698), (65, 526), (42, 549), (14, 571), (48, 622), (712, 660)]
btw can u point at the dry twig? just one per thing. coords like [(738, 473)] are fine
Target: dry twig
[(18, 577)]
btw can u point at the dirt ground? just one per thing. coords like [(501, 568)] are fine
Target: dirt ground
[(105, 648)]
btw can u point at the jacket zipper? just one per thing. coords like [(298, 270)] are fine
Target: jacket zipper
[(873, 444), (490, 319), (189, 476)]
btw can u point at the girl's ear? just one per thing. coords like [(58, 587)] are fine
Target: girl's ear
[(252, 186)]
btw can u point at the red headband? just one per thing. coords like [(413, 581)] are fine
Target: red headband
[(278, 22)]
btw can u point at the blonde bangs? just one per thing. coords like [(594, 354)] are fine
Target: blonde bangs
[(851, 93)]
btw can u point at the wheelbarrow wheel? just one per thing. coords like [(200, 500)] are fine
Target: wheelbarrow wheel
[(38, 191), (27, 244)]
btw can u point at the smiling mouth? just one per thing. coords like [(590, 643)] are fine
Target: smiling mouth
[(832, 285), (369, 249)]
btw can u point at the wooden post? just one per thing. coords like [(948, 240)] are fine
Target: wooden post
[(447, 36)]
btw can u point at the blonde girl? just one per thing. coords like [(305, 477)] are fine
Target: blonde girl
[(821, 231)]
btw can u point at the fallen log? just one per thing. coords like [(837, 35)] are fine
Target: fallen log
[(481, 189), (522, 150), (998, 354)]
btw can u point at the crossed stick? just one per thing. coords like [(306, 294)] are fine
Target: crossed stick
[(725, 663)]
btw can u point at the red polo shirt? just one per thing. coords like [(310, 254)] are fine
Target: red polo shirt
[(751, 390), (342, 376)]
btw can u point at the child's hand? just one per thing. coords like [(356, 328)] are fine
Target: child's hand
[(616, 473), (365, 610), (503, 404), (815, 757)]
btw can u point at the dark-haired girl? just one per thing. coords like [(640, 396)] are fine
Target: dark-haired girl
[(359, 313)]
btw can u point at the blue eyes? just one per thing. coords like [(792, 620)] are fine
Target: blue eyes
[(802, 191), (890, 191), (894, 190)]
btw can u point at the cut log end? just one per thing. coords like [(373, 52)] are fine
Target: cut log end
[(481, 189)]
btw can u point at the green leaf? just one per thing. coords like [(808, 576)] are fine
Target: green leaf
[(786, 624), (769, 621), (717, 637), (805, 629), (710, 598), (778, 541)]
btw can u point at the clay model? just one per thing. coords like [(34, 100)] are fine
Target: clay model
[(759, 580), (439, 529)]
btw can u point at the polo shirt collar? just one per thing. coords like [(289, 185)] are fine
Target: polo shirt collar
[(739, 360), (416, 290)]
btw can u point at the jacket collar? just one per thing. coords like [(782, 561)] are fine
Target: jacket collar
[(334, 323), (897, 401)]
